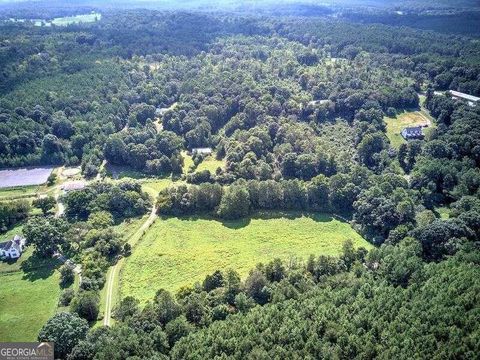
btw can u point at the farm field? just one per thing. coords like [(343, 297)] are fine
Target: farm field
[(178, 252), (29, 293), (406, 119)]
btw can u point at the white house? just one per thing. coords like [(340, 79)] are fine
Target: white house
[(13, 248)]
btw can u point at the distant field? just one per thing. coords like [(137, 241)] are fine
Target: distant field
[(406, 119), (180, 251), (64, 21), (29, 293), (85, 18)]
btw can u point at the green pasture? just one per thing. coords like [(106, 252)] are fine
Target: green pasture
[(177, 252)]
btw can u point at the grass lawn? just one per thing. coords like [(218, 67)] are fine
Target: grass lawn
[(18, 192), (187, 162), (17, 229), (153, 187), (176, 252), (406, 119), (29, 293), (211, 164), (127, 229)]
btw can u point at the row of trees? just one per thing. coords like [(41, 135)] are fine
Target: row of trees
[(12, 212), (337, 194)]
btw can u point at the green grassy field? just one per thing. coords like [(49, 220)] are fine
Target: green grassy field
[(84, 18), (129, 230), (29, 293), (406, 119), (211, 164), (18, 192), (180, 251), (187, 162), (153, 187)]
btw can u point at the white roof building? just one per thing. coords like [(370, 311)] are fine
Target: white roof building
[(471, 100), (203, 151), (73, 185)]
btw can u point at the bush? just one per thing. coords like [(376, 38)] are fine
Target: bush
[(66, 297), (86, 305), (391, 112), (67, 275), (65, 330)]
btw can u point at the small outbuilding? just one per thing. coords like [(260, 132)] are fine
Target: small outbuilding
[(12, 249), (202, 151), (412, 133), (73, 185)]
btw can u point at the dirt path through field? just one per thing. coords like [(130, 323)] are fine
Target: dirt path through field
[(112, 275)]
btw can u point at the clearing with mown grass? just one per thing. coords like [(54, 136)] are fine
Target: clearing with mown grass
[(177, 252), (29, 293), (211, 164), (154, 186), (406, 119)]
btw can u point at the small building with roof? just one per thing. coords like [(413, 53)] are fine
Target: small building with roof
[(412, 133), (12, 249), (470, 99), (202, 151), (73, 185)]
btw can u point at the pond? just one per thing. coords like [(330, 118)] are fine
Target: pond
[(24, 176)]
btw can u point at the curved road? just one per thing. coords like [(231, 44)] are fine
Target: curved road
[(114, 270)]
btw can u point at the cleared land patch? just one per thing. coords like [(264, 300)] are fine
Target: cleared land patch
[(154, 186), (29, 293), (406, 119), (178, 252), (211, 164)]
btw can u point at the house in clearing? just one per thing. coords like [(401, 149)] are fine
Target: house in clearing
[(12, 249), (470, 99), (202, 151), (411, 133)]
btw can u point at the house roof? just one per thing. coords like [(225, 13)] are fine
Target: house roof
[(414, 130), (15, 243), (202, 150)]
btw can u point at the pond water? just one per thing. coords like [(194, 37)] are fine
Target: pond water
[(24, 176)]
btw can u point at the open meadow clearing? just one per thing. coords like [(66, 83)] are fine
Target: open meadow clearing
[(178, 252), (211, 164), (29, 293), (406, 119)]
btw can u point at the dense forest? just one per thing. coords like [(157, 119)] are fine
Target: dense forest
[(295, 109)]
